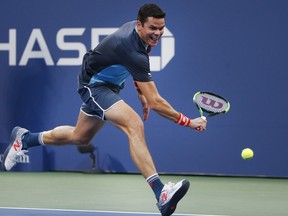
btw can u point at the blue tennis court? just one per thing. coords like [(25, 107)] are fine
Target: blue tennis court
[(59, 212)]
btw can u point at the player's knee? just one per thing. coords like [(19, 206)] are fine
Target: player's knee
[(80, 140), (136, 127)]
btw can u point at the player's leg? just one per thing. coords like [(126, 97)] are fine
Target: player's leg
[(86, 128), (125, 118), (21, 139)]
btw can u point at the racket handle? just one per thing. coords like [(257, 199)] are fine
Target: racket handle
[(198, 128)]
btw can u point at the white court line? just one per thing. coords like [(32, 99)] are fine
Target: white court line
[(94, 211)]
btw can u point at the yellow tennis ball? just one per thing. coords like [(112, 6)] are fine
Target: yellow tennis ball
[(247, 154)]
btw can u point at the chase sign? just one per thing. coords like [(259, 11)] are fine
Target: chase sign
[(37, 38)]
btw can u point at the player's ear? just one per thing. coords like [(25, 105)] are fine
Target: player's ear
[(139, 25)]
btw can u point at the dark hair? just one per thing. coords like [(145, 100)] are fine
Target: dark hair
[(149, 10)]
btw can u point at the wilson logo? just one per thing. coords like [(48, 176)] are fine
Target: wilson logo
[(212, 103)]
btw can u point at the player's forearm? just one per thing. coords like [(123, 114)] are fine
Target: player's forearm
[(155, 101), (163, 108)]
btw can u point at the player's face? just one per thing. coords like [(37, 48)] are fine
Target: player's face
[(151, 31)]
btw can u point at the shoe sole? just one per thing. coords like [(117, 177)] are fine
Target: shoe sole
[(12, 139), (177, 197)]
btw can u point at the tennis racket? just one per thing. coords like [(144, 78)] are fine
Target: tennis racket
[(211, 104)]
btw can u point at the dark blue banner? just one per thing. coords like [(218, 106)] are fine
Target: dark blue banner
[(237, 49)]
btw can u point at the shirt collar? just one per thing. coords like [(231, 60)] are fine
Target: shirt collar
[(147, 48)]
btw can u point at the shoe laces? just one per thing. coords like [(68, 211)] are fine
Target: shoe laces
[(169, 184)]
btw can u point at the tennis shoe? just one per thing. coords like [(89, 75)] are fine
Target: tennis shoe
[(170, 195), (14, 149)]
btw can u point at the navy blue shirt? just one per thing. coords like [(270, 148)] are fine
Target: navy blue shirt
[(116, 57)]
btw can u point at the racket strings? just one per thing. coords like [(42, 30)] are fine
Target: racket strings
[(211, 103)]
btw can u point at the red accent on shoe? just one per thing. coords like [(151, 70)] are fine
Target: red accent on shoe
[(164, 196), (16, 145)]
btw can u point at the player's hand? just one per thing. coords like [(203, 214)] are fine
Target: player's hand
[(199, 124), (145, 107)]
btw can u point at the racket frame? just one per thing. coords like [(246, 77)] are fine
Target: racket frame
[(210, 113)]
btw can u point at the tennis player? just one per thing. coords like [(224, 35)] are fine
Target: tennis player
[(103, 74)]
